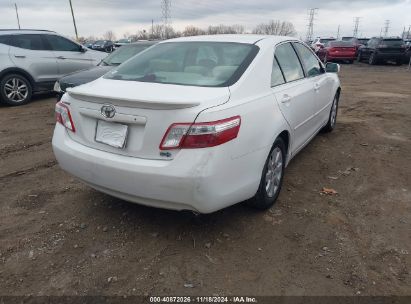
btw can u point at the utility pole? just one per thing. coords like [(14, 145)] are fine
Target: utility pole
[(386, 27), (166, 12), (356, 26), (74, 20), (311, 17), (17, 14), (152, 28), (338, 32)]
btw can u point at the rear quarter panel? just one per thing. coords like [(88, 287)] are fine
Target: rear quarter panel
[(5, 61)]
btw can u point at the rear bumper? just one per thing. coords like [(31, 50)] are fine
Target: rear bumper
[(341, 57), (202, 180), (390, 56)]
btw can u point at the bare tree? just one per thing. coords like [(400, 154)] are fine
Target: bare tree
[(225, 29), (156, 32), (191, 30), (275, 27), (109, 35)]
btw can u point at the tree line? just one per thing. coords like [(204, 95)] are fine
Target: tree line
[(158, 31)]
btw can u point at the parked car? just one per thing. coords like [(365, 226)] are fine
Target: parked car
[(363, 41), (382, 50), (338, 51), (103, 46), (32, 60), (355, 41), (122, 42), (198, 123), (321, 42), (89, 44), (114, 59)]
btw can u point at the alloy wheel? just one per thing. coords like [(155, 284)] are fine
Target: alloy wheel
[(16, 90), (274, 172)]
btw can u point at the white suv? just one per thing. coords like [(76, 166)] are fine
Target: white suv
[(32, 60)]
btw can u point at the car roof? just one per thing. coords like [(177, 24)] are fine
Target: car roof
[(237, 38), (24, 31)]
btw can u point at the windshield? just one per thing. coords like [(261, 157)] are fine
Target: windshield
[(324, 41), (100, 42), (212, 64), (124, 53)]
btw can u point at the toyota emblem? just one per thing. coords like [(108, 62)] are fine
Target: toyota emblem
[(108, 111)]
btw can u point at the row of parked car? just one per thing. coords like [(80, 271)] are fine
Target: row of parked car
[(32, 60), (375, 50), (107, 46)]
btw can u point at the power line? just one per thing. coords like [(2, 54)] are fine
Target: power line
[(356, 26), (74, 20), (166, 14), (17, 14), (311, 17), (386, 27)]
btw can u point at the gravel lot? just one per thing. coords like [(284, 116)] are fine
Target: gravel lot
[(59, 237)]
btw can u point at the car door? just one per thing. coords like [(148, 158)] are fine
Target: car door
[(29, 53), (320, 81), (70, 56), (294, 94)]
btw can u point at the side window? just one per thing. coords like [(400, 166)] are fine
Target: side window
[(277, 76), (5, 39), (28, 41), (289, 62), (310, 62), (61, 44)]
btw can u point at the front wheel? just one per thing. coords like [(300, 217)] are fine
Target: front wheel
[(332, 120), (15, 90), (272, 177), (372, 60)]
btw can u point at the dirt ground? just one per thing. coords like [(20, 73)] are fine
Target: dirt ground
[(59, 237)]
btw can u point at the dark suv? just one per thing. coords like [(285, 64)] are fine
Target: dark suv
[(382, 50)]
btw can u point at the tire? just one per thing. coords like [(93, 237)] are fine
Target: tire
[(15, 90), (372, 60), (332, 119), (398, 62), (359, 57), (267, 195)]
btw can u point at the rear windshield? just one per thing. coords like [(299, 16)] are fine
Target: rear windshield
[(210, 64), (325, 41), (340, 44), (124, 53), (393, 42)]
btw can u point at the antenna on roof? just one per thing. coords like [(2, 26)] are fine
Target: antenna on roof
[(74, 20), (17, 14)]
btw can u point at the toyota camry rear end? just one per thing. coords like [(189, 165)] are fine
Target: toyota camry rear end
[(141, 132)]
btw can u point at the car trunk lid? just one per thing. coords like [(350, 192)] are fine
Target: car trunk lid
[(147, 109)]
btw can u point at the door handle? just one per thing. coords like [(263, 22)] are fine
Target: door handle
[(19, 56), (317, 87), (286, 98), (61, 57)]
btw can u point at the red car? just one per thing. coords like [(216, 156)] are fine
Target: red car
[(338, 51)]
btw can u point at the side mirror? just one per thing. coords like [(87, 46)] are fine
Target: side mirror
[(83, 49), (331, 67)]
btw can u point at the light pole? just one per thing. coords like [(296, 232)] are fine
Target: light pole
[(74, 20)]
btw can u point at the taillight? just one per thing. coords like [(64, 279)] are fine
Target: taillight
[(63, 116), (200, 135)]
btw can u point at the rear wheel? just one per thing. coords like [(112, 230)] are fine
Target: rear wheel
[(15, 90), (332, 120), (272, 177)]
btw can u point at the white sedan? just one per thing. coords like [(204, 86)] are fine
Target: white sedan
[(198, 123)]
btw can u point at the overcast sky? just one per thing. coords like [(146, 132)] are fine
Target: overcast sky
[(95, 17)]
